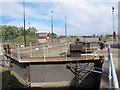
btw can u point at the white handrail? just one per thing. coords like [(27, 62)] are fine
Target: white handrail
[(112, 73)]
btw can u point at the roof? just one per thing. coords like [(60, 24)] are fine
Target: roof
[(42, 32), (92, 39)]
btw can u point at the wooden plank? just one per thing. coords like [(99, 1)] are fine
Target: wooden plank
[(56, 59), (47, 59)]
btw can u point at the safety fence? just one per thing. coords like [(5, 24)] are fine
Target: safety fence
[(38, 51), (47, 50)]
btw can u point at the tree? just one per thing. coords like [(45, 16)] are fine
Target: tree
[(62, 36), (53, 35), (16, 34)]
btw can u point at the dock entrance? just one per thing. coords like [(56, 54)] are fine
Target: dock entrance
[(54, 65)]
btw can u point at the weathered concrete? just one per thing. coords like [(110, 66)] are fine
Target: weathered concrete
[(18, 70), (53, 73)]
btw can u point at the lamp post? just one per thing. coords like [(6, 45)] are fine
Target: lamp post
[(52, 25), (65, 26), (24, 23), (113, 24)]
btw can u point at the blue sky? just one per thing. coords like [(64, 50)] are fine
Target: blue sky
[(83, 17)]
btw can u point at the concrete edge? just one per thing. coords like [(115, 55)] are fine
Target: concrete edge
[(18, 77), (51, 84)]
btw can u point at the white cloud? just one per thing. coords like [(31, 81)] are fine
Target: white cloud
[(42, 27), (61, 0), (84, 17), (11, 10), (87, 17), (14, 10)]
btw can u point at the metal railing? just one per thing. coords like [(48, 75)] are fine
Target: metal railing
[(41, 51), (111, 72), (45, 51)]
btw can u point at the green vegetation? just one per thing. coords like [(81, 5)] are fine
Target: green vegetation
[(62, 36), (53, 35), (15, 34)]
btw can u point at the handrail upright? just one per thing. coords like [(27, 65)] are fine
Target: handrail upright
[(109, 68)]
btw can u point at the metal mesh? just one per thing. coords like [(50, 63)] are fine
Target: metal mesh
[(38, 51)]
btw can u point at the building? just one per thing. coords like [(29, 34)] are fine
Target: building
[(41, 35)]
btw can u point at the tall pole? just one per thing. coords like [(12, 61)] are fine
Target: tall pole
[(113, 23), (52, 25), (65, 26), (29, 31), (24, 23)]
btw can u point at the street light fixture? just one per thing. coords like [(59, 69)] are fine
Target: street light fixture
[(113, 25)]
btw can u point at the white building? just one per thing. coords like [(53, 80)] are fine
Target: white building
[(41, 35)]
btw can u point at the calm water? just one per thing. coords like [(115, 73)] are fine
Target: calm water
[(9, 82)]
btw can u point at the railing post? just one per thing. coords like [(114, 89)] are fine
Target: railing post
[(11, 53), (19, 53), (44, 53), (66, 52), (109, 68), (47, 49), (31, 50), (86, 49), (7, 51)]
